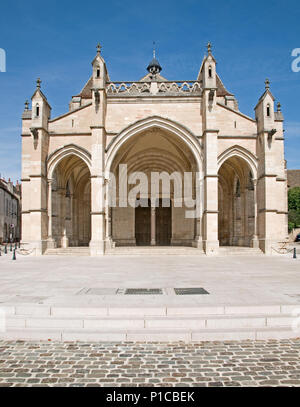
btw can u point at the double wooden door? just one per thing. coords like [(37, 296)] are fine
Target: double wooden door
[(163, 225)]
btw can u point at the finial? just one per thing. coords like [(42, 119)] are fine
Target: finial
[(26, 105), (99, 48), (267, 83), (38, 83), (209, 48), (278, 107)]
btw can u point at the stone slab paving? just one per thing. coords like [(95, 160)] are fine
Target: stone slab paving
[(152, 364), (76, 281)]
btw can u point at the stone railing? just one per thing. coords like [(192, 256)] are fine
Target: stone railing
[(178, 88)]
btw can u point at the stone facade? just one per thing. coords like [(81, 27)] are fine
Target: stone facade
[(153, 125), (10, 211)]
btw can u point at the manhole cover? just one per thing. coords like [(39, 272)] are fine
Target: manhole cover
[(143, 291), (190, 291)]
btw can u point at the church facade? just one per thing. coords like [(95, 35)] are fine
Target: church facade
[(82, 172)]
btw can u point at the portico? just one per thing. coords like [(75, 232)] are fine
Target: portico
[(153, 163)]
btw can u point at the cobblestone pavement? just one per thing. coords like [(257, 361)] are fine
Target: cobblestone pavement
[(230, 363)]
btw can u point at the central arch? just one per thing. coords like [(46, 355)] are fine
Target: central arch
[(171, 128), (153, 145)]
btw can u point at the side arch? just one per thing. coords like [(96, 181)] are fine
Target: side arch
[(63, 152), (241, 152)]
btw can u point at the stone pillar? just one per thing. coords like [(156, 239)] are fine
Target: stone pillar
[(71, 218), (98, 143), (153, 220), (210, 217), (198, 243), (64, 240), (97, 243), (50, 242), (75, 229), (108, 212), (255, 241), (62, 211)]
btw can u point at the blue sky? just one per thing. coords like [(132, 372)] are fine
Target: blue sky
[(57, 41)]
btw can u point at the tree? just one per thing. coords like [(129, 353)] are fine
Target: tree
[(294, 207)]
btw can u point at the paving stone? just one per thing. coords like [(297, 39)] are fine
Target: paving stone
[(118, 364)]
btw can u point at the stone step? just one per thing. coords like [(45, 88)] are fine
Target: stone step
[(148, 323), (154, 250), (163, 323), (143, 310), (69, 251), (143, 335)]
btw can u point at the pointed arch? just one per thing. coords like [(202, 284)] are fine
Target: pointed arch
[(241, 152), (65, 151), (171, 128)]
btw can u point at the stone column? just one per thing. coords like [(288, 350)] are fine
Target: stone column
[(153, 220), (198, 243), (210, 218), (62, 212), (71, 218), (255, 241), (75, 230), (50, 242)]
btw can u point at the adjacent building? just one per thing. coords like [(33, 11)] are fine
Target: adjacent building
[(10, 211), (72, 163), (293, 177)]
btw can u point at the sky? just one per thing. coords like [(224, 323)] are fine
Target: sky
[(56, 41)]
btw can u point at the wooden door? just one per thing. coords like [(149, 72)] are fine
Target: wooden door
[(143, 226), (163, 227)]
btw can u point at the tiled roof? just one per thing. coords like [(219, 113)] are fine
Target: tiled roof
[(293, 177), (86, 92), (221, 90)]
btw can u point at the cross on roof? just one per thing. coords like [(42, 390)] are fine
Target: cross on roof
[(267, 83), (99, 48), (38, 83), (209, 48)]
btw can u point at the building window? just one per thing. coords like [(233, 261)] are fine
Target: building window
[(98, 73), (37, 110), (268, 111), (209, 72)]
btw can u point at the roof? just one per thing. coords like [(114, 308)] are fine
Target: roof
[(293, 177), (86, 92), (221, 90), (154, 64)]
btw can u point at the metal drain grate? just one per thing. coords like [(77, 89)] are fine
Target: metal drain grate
[(97, 291), (143, 291), (190, 291)]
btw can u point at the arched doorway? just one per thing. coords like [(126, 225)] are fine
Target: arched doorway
[(236, 202), (162, 220), (70, 223)]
